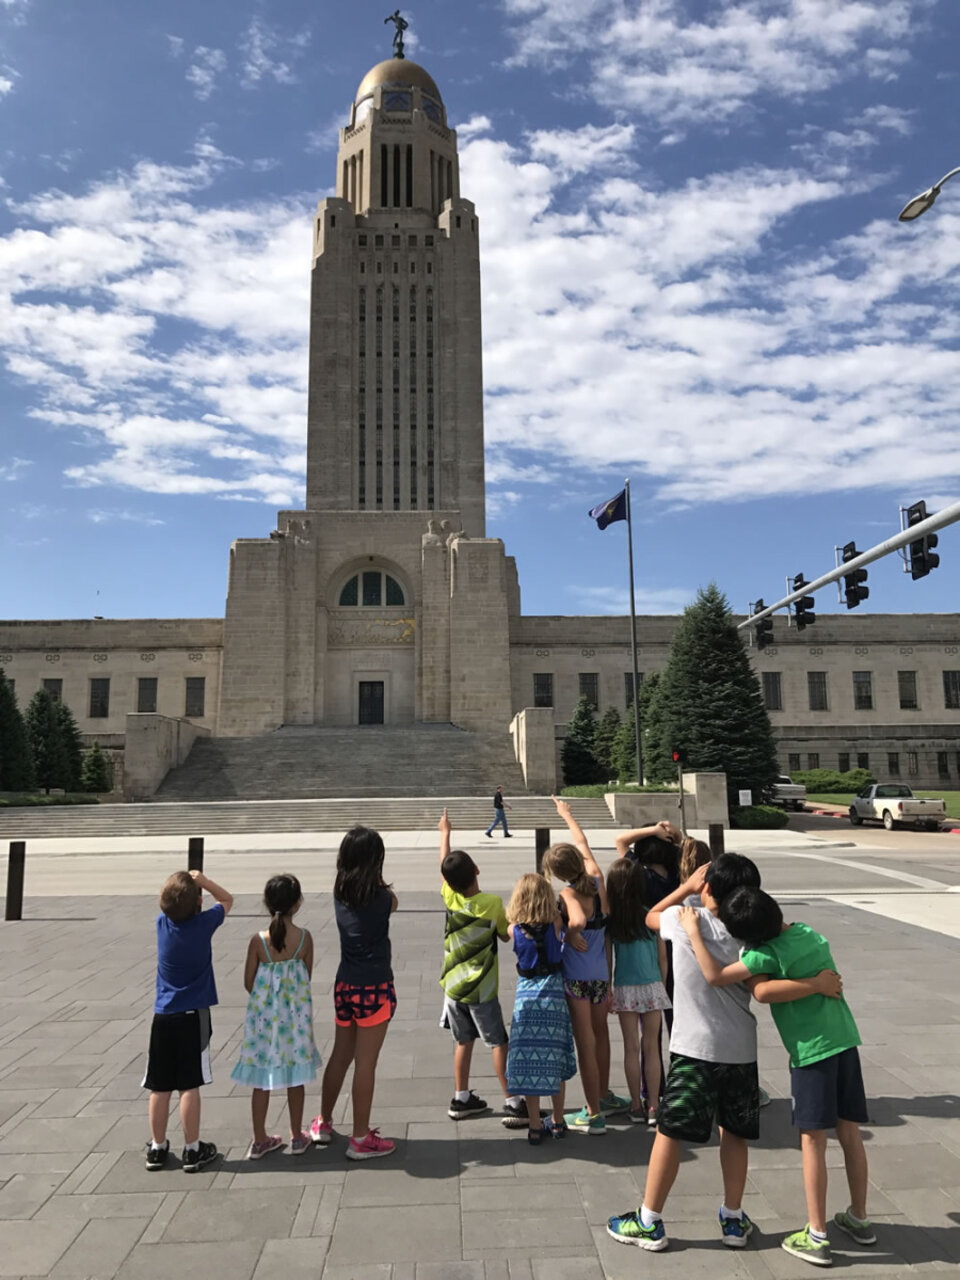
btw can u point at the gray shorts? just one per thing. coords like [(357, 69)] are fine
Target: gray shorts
[(469, 1022)]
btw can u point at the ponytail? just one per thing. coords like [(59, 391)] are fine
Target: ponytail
[(280, 897), (565, 862)]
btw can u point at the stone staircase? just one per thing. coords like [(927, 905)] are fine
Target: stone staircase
[(390, 813), (300, 763)]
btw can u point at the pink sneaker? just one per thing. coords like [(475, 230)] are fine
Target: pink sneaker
[(301, 1143), (260, 1149), (321, 1131), (370, 1147)]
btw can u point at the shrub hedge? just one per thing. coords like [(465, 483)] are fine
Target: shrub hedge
[(758, 817)]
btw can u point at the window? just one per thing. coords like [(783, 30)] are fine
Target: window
[(628, 687), (907, 686), (893, 764), (817, 690), (378, 240), (862, 691), (843, 762), (395, 240), (912, 765), (54, 688), (99, 698), (590, 688), (813, 760), (951, 690), (543, 689), (371, 588), (411, 242), (428, 241), (863, 760), (362, 241), (147, 693), (793, 762), (772, 692), (195, 696), (943, 765)]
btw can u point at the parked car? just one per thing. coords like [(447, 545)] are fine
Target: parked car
[(892, 803), (792, 795)]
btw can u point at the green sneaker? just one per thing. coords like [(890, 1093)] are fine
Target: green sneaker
[(628, 1229), (583, 1122), (802, 1245), (611, 1104), (862, 1232)]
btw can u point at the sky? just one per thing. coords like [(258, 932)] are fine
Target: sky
[(693, 276)]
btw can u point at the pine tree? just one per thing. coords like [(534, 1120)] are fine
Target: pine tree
[(709, 702), (657, 766), (603, 742), (577, 755), (97, 771), (51, 765), (625, 750), (72, 749), (16, 764)]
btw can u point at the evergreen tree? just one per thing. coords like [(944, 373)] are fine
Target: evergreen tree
[(577, 755), (709, 703), (657, 765), (51, 766), (16, 764), (97, 771), (625, 750), (72, 749), (603, 742)]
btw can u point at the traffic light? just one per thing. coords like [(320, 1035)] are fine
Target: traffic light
[(679, 756), (853, 581), (922, 556), (804, 606), (764, 628)]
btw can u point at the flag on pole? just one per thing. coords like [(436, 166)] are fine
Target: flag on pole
[(610, 512)]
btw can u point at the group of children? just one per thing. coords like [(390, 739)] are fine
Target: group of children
[(666, 933)]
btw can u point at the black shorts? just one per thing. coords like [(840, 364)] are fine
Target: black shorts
[(698, 1092), (828, 1091), (179, 1055)]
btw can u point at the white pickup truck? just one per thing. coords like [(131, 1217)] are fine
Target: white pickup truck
[(792, 795), (892, 803)]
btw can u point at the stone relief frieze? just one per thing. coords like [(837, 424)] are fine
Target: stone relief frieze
[(369, 632)]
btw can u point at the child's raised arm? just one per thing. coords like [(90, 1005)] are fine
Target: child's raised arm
[(252, 963), (444, 826), (664, 829), (686, 890), (577, 837), (216, 892), (716, 974)]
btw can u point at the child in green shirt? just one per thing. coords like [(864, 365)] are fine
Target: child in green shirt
[(820, 1035)]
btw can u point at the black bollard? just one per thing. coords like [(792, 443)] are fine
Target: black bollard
[(195, 853), (15, 869), (715, 836), (542, 837)]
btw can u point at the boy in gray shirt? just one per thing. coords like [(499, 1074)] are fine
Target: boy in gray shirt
[(713, 1062)]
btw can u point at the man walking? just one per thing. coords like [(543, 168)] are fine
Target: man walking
[(499, 816)]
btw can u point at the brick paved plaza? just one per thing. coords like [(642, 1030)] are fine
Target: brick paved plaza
[(469, 1201)]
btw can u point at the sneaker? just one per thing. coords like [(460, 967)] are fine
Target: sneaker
[(736, 1231), (370, 1147), (157, 1156), (652, 1118), (507, 835), (515, 1115), (583, 1122), (555, 1129), (628, 1229), (301, 1143), (802, 1245), (638, 1115), (257, 1150), (488, 835), (764, 1098), (204, 1154), (862, 1232), (321, 1132), (472, 1107), (611, 1104)]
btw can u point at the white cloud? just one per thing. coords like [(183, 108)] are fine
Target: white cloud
[(586, 149), (896, 119), (259, 46), (175, 46), (123, 517), (616, 600), (6, 85), (13, 469), (206, 66)]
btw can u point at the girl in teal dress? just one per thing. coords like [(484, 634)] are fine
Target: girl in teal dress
[(278, 1051)]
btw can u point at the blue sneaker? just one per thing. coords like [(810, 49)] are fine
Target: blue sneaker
[(628, 1229), (736, 1231)]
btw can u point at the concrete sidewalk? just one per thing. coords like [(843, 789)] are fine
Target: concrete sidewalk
[(469, 1201)]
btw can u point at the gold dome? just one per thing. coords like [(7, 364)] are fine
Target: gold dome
[(398, 73)]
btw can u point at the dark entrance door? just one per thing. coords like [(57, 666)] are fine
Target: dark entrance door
[(371, 702)]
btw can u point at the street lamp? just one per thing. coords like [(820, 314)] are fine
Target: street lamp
[(921, 203)]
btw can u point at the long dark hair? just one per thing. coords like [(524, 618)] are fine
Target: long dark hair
[(627, 898), (280, 897), (359, 867), (653, 851)]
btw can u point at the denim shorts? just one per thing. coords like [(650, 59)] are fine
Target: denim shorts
[(469, 1022)]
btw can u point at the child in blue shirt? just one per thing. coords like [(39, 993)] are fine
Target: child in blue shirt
[(179, 1054)]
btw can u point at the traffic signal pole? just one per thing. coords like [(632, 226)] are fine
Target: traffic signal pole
[(949, 515), (633, 642)]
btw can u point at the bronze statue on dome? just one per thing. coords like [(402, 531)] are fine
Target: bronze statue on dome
[(401, 24)]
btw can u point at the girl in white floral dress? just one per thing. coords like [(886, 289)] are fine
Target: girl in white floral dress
[(278, 1051)]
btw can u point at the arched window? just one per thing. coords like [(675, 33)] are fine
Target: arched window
[(371, 589)]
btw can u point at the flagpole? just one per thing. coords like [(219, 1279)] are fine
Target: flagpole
[(633, 642)]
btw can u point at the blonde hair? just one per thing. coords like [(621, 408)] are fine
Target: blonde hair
[(565, 862), (693, 854), (532, 901)]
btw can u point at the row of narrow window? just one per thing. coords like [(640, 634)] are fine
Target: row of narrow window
[(98, 694)]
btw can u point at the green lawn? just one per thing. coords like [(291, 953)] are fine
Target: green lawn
[(952, 799)]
